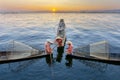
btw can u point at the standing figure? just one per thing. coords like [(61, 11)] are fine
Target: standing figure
[(48, 48), (70, 48), (59, 41), (60, 48)]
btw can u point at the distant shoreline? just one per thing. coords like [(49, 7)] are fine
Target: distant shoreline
[(51, 12), (82, 11)]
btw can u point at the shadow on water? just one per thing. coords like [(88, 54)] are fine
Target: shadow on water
[(102, 67), (68, 62), (60, 51), (20, 66), (49, 59)]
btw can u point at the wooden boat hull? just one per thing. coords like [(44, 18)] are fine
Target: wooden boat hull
[(110, 61), (63, 39), (41, 55), (61, 32)]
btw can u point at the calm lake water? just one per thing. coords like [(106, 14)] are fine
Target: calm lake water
[(82, 29)]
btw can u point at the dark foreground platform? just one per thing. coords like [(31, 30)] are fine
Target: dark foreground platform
[(7, 60), (109, 61)]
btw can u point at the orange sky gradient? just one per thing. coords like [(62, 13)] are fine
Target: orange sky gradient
[(58, 5)]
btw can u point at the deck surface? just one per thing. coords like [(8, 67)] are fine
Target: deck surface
[(4, 59), (110, 60)]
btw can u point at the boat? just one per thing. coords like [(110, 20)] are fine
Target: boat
[(110, 61), (17, 51), (5, 59), (61, 34), (98, 51)]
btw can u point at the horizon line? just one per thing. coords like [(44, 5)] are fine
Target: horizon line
[(81, 11)]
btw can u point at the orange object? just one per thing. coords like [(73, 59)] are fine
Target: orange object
[(59, 42), (48, 49), (70, 49)]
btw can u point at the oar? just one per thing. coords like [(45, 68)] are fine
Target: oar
[(54, 47), (51, 63)]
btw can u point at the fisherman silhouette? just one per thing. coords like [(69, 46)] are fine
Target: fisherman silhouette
[(60, 51), (68, 61), (49, 59)]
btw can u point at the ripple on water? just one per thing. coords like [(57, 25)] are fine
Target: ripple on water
[(81, 29)]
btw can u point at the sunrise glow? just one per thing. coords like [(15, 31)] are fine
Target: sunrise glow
[(58, 5), (53, 10)]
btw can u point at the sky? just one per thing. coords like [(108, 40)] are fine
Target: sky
[(58, 5)]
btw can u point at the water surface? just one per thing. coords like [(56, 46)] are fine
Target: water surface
[(82, 29)]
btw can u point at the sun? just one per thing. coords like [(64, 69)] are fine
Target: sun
[(53, 10)]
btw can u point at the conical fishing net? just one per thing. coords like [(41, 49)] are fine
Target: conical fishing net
[(16, 50), (98, 50)]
